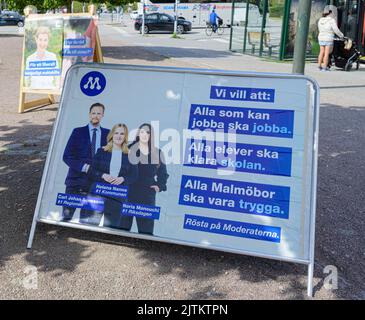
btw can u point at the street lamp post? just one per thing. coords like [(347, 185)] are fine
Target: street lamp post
[(300, 45), (143, 12), (175, 22)]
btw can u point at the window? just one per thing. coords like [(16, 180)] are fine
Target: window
[(152, 17), (164, 18)]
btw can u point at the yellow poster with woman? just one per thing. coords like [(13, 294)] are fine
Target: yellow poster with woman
[(43, 53)]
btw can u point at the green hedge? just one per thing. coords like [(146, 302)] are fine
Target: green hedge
[(277, 11), (78, 7)]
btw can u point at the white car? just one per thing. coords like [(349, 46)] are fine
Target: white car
[(134, 15)]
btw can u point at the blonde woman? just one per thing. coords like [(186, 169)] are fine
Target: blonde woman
[(111, 165)]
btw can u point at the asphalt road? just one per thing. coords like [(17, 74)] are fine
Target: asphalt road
[(74, 264)]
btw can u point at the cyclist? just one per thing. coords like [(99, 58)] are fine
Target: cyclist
[(213, 17)]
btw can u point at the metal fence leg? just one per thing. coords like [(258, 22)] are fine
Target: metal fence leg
[(32, 231), (310, 279)]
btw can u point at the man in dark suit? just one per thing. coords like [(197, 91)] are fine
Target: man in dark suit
[(79, 152)]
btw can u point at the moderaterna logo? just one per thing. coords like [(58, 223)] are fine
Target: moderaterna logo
[(93, 83)]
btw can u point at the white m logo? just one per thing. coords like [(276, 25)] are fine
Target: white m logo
[(91, 82)]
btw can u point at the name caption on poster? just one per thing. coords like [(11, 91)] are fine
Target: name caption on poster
[(109, 190), (185, 310)]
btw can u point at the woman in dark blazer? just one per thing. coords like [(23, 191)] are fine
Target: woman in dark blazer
[(111, 165), (152, 177)]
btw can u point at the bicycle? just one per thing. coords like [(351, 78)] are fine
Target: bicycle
[(209, 28)]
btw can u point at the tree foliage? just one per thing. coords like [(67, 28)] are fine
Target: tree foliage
[(43, 5)]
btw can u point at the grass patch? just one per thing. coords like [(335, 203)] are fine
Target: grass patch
[(175, 36)]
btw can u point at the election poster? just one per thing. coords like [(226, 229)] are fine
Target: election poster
[(52, 44), (220, 160), (43, 52), (79, 40)]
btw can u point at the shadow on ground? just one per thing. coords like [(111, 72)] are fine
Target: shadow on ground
[(10, 35), (132, 52), (151, 33), (22, 157)]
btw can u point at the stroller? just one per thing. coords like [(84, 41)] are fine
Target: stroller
[(344, 54)]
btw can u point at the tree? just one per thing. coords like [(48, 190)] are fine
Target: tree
[(17, 5), (43, 5)]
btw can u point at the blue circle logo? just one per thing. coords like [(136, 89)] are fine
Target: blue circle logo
[(93, 83)]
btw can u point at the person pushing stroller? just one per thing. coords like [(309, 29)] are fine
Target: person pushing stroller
[(327, 28)]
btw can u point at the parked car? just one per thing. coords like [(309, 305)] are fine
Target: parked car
[(11, 18), (161, 22)]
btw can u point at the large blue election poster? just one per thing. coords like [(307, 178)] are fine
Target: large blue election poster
[(210, 159)]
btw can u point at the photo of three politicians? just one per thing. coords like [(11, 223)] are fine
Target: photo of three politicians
[(96, 154)]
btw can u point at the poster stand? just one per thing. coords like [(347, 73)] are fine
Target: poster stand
[(310, 147), (50, 99)]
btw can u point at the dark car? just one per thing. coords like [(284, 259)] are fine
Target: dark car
[(161, 22), (8, 18)]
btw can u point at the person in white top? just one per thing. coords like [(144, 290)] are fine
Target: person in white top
[(40, 62), (327, 28)]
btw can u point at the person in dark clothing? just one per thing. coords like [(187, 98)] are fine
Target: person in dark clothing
[(111, 165), (152, 177), (79, 152)]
